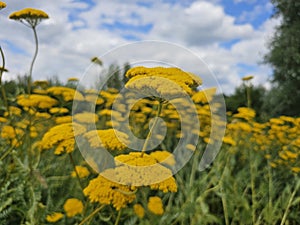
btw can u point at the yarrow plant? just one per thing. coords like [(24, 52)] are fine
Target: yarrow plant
[(31, 18)]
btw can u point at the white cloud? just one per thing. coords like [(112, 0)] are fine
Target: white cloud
[(255, 12), (66, 51)]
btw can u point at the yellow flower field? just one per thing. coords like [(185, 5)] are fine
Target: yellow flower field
[(80, 156)]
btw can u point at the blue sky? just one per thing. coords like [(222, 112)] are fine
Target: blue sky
[(231, 36)]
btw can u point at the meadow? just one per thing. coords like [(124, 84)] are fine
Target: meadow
[(55, 166)]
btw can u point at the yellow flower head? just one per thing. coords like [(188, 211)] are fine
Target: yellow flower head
[(96, 60), (245, 113), (39, 91), (32, 16), (228, 140), (3, 120), (107, 192), (35, 100), (8, 132), (67, 93), (54, 217), (139, 210), (110, 139), (63, 119), (94, 98), (250, 77), (73, 206), (86, 117), (41, 83), (81, 171), (164, 157), (135, 169), (204, 96), (165, 83), (2, 5), (57, 110), (62, 136), (73, 79), (155, 205), (13, 111)]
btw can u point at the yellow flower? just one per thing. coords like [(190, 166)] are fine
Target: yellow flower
[(295, 169), (107, 192), (3, 120), (155, 205), (13, 111), (73, 79), (57, 110), (39, 91), (96, 60), (245, 113), (204, 96), (8, 132), (67, 93), (229, 140), (62, 136), (41, 83), (94, 98), (136, 169), (190, 147), (108, 139), (63, 119), (54, 217), (2, 5), (164, 83), (247, 78), (139, 210), (73, 206), (164, 157), (81, 171), (12, 135), (276, 121), (43, 115), (35, 100), (32, 16), (85, 117)]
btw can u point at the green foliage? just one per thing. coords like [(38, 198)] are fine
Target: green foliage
[(239, 99), (284, 57)]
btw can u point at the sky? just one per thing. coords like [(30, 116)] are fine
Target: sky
[(229, 36)]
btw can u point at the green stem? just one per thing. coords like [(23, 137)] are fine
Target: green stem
[(76, 172), (34, 58), (224, 200), (29, 149), (194, 168), (1, 85), (270, 185), (152, 128), (118, 217), (289, 204), (252, 182), (248, 90), (91, 215)]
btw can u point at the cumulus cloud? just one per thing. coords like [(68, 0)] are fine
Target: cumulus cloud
[(79, 30)]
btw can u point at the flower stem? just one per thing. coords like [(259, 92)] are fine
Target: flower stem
[(118, 217), (1, 85), (91, 215), (33, 60), (252, 181), (159, 108), (289, 204), (76, 172)]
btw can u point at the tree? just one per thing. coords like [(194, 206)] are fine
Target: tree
[(284, 57)]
